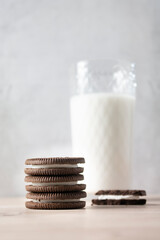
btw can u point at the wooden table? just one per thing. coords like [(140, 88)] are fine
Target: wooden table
[(132, 222)]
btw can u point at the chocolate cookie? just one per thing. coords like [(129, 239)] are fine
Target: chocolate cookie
[(56, 188), (54, 179), (55, 200), (54, 160), (122, 192), (56, 196), (58, 205), (120, 197), (119, 202), (53, 171)]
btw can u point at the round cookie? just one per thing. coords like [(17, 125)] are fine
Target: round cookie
[(67, 200), (56, 188), (54, 179), (119, 202), (61, 205), (55, 160), (120, 197), (122, 192), (53, 171), (56, 196)]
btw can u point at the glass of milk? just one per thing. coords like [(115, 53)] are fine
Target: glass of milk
[(102, 110)]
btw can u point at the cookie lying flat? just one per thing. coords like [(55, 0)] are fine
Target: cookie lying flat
[(55, 160), (53, 179), (122, 192), (72, 187), (56, 196), (53, 171), (66, 200), (54, 183), (119, 202), (53, 166), (57, 205), (120, 197)]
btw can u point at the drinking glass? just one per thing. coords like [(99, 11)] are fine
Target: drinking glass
[(102, 109)]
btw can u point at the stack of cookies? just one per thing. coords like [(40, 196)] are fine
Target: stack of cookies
[(52, 183)]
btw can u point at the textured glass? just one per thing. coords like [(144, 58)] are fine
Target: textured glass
[(102, 108), (103, 76)]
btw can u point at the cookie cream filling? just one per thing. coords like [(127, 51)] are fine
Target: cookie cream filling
[(53, 183), (54, 201), (54, 166), (117, 197)]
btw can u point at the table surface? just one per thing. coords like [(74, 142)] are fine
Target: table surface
[(118, 222)]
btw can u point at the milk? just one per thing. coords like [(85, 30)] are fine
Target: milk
[(102, 126)]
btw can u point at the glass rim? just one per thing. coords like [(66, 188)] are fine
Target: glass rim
[(116, 60), (105, 74)]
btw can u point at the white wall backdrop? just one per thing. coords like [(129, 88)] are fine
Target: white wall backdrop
[(39, 40)]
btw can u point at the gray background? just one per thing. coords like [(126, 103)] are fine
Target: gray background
[(39, 40)]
